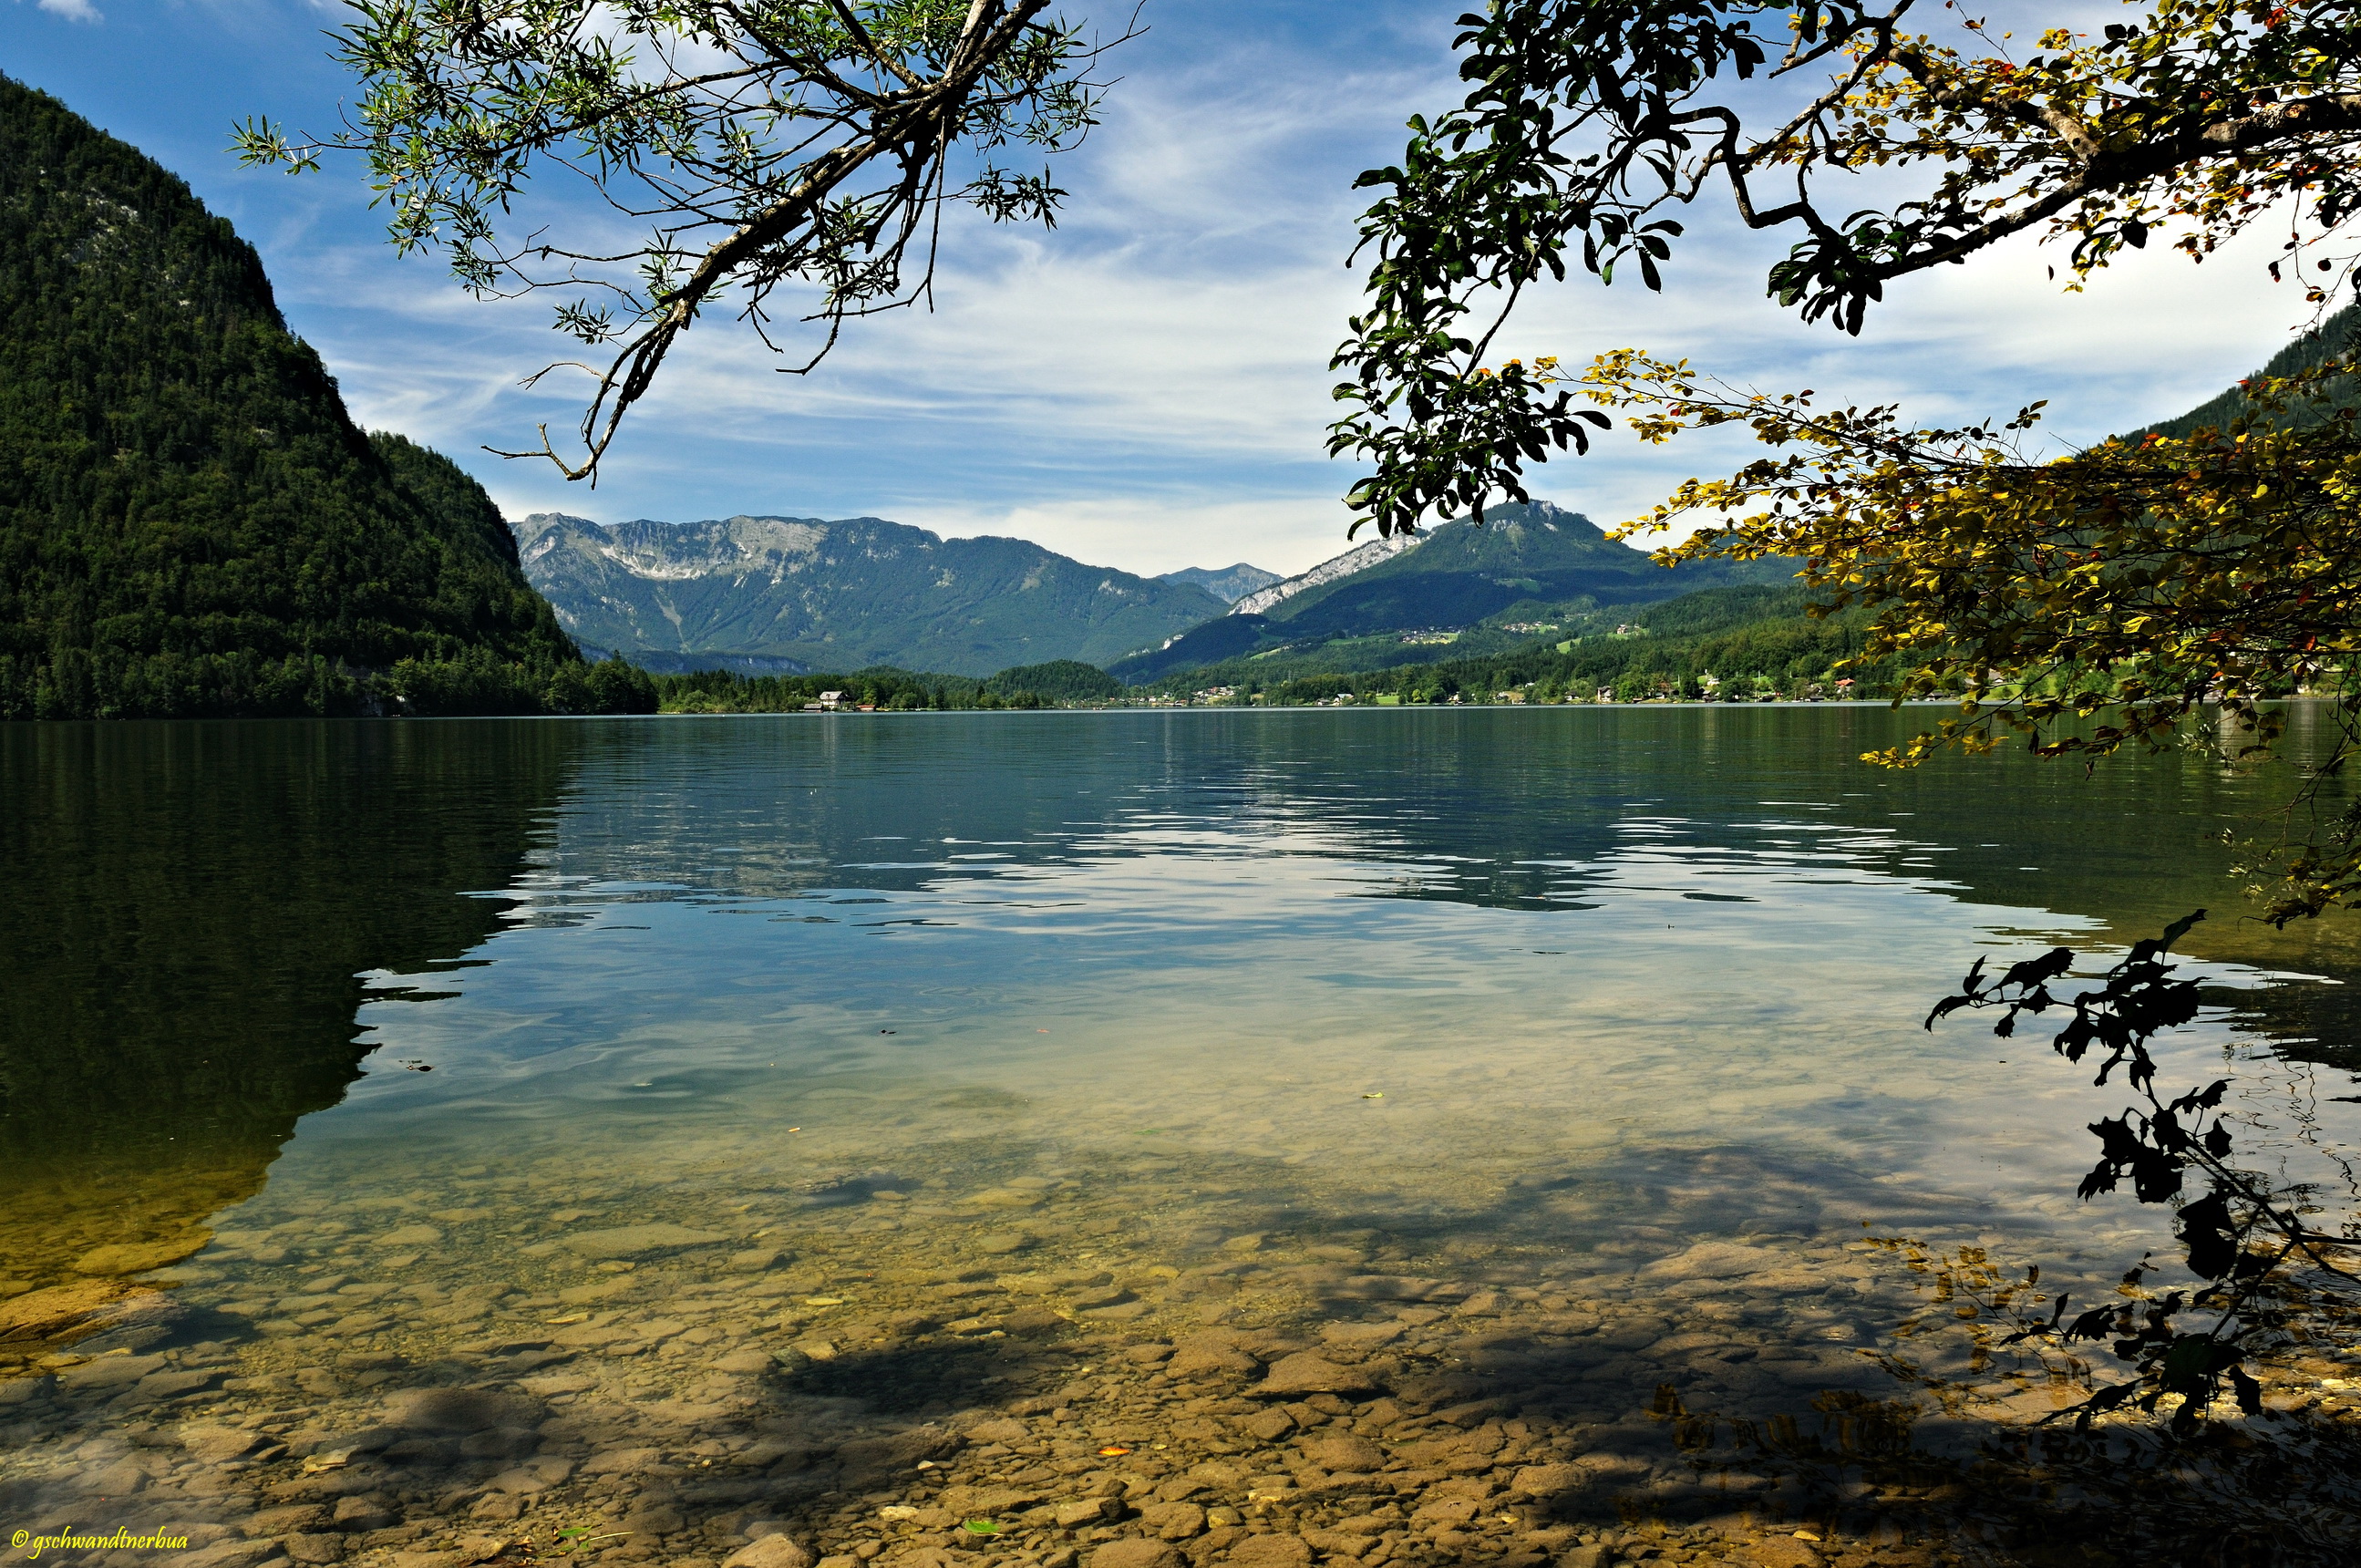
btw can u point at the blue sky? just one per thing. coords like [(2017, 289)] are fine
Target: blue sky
[(1144, 388)]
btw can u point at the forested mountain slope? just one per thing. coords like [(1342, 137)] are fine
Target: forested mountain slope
[(1530, 564), (2340, 333), (1742, 641), (1525, 554), (837, 595), (190, 523)]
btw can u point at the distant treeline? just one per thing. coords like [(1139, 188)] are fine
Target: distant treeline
[(1744, 641), (888, 689)]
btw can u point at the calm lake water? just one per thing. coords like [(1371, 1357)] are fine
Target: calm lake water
[(738, 1091)]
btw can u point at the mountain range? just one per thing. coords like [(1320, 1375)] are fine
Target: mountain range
[(1228, 583), (1468, 588), (784, 595), (841, 593)]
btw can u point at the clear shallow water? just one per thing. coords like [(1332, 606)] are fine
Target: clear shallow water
[(1566, 1055)]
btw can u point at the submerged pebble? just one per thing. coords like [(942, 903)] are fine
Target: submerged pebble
[(1128, 1386)]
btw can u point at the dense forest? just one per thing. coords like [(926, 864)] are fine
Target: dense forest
[(889, 690), (1738, 643), (2340, 333), (190, 521)]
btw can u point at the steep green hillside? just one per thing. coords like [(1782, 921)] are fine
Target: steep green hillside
[(1463, 589), (829, 594), (1744, 642), (190, 524), (2340, 333)]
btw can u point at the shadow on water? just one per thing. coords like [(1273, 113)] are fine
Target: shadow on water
[(188, 912), (1476, 1394), (179, 971)]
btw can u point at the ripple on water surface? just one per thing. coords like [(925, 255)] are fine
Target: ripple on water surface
[(1274, 1137)]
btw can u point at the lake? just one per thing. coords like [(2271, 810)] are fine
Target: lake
[(1267, 1136)]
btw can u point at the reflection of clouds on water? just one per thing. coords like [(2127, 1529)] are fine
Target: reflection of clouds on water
[(1564, 1056)]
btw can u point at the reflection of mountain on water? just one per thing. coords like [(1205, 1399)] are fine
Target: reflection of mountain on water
[(1490, 806), (1505, 808), (190, 906)]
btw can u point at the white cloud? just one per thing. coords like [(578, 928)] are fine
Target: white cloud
[(73, 10), (1159, 362), (2148, 339), (1148, 386), (1147, 535)]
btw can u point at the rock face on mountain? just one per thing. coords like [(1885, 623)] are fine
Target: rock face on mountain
[(1229, 583), (843, 593), (1360, 558)]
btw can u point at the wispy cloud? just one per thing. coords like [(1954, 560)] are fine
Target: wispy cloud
[(1158, 364), (73, 10), (1148, 386), (1148, 534)]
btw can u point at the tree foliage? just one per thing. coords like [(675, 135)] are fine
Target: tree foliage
[(754, 144), (2090, 601), (1586, 122), (2265, 1267)]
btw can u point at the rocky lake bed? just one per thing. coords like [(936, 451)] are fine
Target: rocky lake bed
[(1059, 1367), (1123, 1144)]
